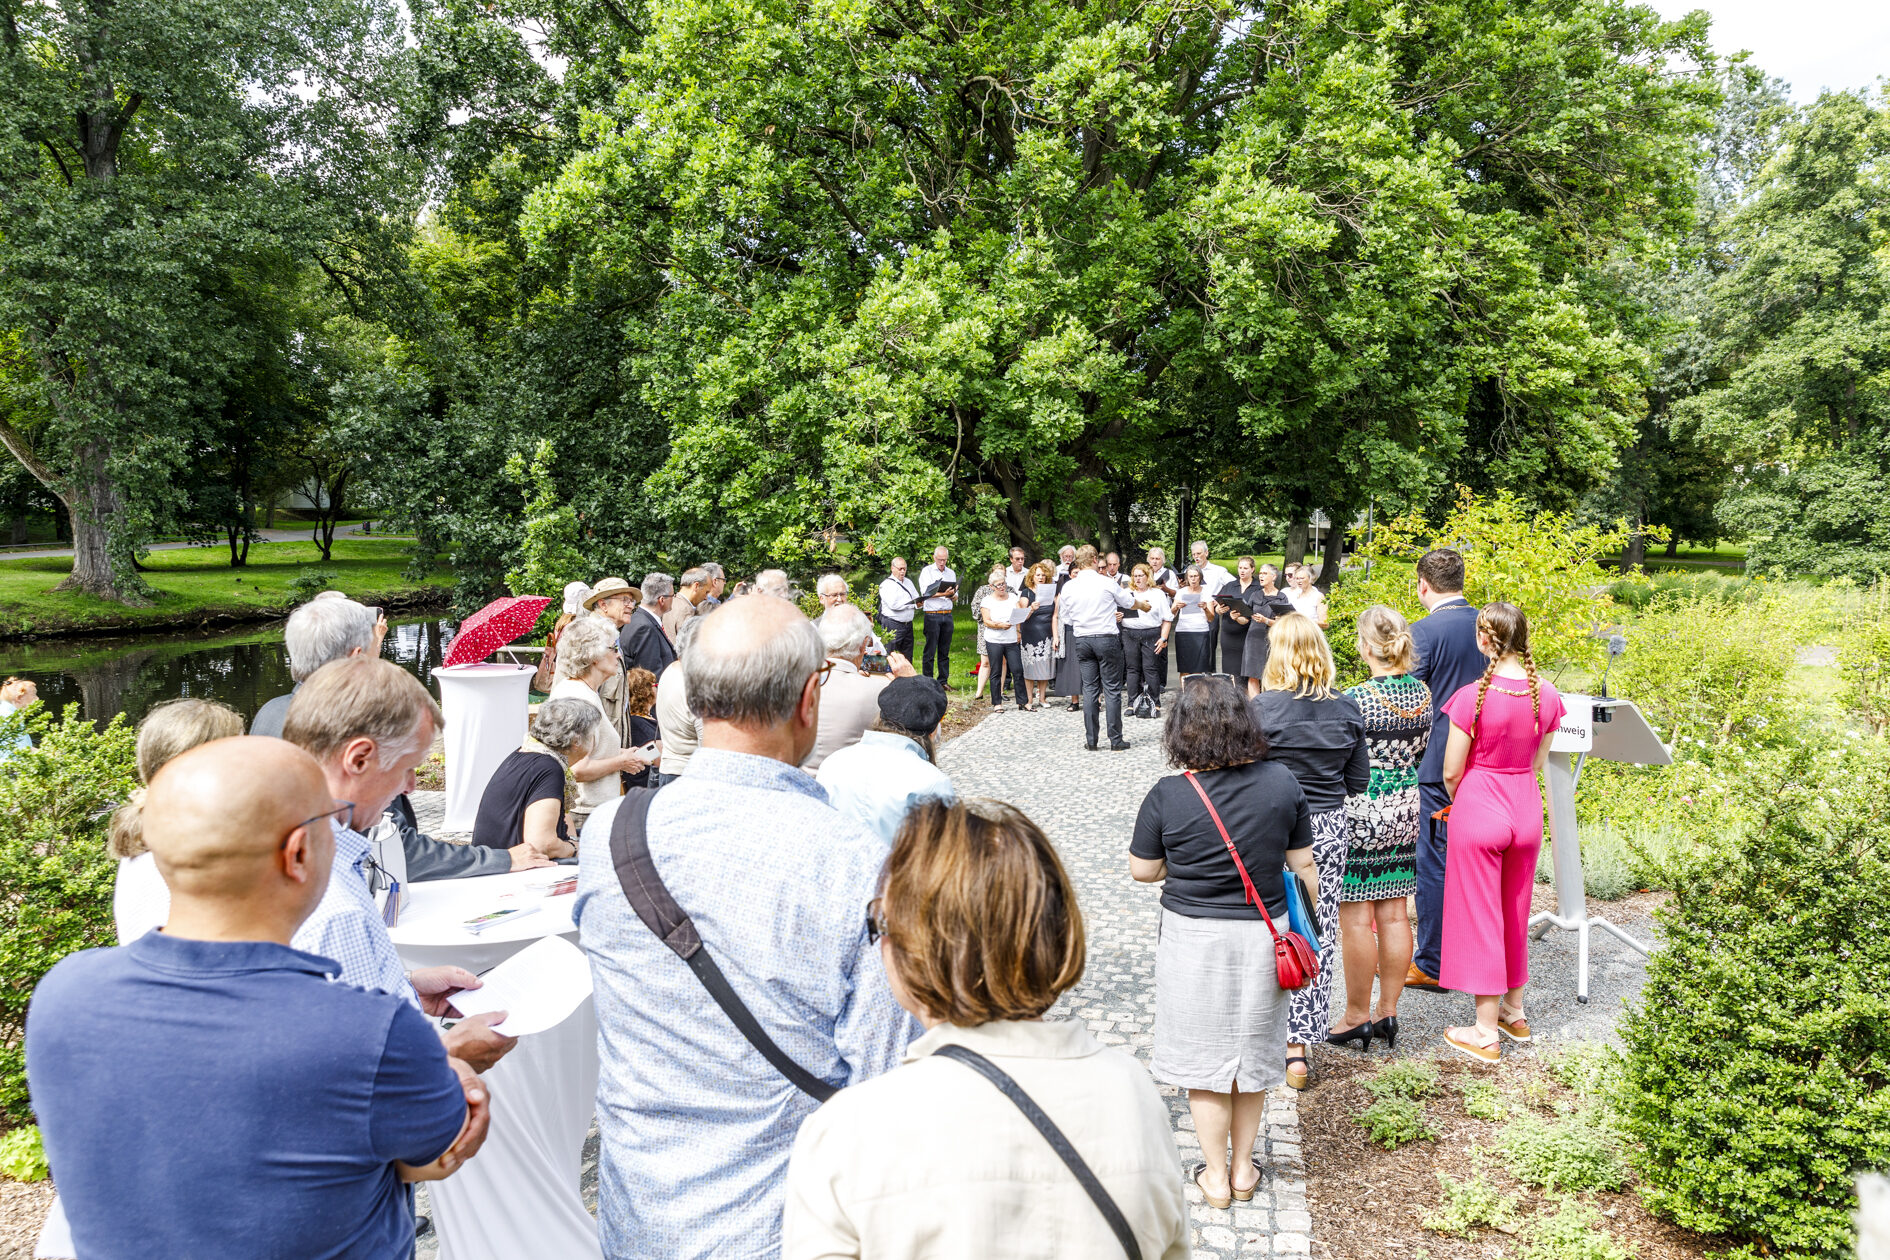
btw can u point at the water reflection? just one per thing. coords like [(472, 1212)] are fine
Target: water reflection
[(243, 670)]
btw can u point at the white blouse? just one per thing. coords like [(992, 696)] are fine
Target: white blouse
[(1158, 611), (999, 608), (141, 900), (931, 1161), (1190, 616), (1312, 602)]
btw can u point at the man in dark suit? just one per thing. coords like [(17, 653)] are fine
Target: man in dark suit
[(1448, 659), (641, 642)]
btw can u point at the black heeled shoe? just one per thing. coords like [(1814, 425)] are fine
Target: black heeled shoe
[(1387, 1029), (1361, 1033)]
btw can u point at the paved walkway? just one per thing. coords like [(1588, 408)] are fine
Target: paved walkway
[(303, 534), (1086, 802)]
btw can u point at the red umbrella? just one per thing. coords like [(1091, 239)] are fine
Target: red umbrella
[(494, 626)]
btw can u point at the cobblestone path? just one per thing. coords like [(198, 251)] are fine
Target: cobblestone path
[(1086, 802)]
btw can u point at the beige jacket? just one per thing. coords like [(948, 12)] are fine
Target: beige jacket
[(930, 1160), (849, 705), (680, 610), (676, 725), (610, 787)]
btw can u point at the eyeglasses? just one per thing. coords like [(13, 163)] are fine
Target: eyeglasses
[(342, 815), (875, 921), (826, 668)]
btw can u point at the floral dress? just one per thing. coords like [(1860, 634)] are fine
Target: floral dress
[(1381, 858)]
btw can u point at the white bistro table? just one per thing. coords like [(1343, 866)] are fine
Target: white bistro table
[(519, 1196)]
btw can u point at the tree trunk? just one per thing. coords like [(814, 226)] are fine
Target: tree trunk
[(17, 534), (1184, 524), (1296, 543), (1673, 546), (95, 505), (61, 523), (1634, 555), (1335, 555)]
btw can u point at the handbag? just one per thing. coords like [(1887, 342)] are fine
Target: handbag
[(1118, 1223), (1302, 912), (1294, 961)]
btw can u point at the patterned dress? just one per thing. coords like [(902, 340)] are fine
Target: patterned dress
[(1381, 859)]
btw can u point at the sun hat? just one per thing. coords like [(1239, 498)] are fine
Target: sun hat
[(606, 588)]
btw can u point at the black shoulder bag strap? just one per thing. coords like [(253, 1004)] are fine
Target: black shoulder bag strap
[(651, 899), (1053, 1135)]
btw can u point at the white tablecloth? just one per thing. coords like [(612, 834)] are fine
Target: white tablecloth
[(487, 708), (519, 1196)]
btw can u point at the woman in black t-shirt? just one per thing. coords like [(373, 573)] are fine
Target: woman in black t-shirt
[(1319, 734), (1220, 1014), (524, 800)]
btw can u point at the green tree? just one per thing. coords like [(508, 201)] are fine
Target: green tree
[(1802, 321), (911, 275), (146, 152)]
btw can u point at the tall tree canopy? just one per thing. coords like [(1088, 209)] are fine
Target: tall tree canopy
[(1801, 325), (908, 271), (157, 157)]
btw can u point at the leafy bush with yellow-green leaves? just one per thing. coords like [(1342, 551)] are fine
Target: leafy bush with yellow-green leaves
[(55, 875), (1543, 562), (1756, 1080)]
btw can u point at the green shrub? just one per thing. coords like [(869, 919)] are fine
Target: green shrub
[(1403, 1078), (55, 876), (1391, 1122), (1587, 1067), (1864, 656), (1473, 1202), (1482, 1100), (1541, 561), (23, 1155), (1572, 1234), (1757, 1075), (1713, 678), (309, 583), (1575, 1152), (1611, 864)]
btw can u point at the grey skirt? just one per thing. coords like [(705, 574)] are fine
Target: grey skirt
[(1220, 1014)]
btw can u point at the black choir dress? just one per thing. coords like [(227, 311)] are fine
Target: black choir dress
[(1254, 661), (1233, 634)]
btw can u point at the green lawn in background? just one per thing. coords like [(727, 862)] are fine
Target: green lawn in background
[(199, 581)]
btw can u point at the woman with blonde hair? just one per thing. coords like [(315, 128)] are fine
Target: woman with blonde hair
[(1500, 728), (1318, 734), (980, 933), (1381, 855), (140, 898)]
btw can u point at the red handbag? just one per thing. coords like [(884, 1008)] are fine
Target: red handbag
[(1294, 958)]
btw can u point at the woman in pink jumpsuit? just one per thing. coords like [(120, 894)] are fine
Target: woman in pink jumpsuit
[(1500, 728)]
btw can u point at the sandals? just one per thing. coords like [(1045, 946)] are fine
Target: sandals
[(1296, 1079), (1244, 1196), (1222, 1201), (1491, 1053), (1516, 1029)]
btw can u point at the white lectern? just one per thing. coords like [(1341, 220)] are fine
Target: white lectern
[(1613, 730), (486, 711)]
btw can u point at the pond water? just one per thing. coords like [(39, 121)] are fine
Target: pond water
[(243, 669)]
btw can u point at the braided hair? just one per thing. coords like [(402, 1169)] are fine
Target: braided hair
[(1507, 630)]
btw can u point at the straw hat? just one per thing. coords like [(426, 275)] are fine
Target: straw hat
[(605, 589)]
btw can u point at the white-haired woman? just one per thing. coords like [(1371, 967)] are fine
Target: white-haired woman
[(587, 659), (996, 617), (524, 800)]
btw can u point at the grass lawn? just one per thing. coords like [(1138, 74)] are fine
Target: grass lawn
[(198, 584)]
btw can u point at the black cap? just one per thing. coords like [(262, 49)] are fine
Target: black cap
[(914, 704)]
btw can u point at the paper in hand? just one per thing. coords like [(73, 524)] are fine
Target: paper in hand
[(538, 988), (1020, 615)]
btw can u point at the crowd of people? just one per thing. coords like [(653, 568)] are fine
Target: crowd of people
[(864, 1067)]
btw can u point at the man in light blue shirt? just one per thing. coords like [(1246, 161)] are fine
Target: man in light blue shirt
[(696, 1125), (879, 779)]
